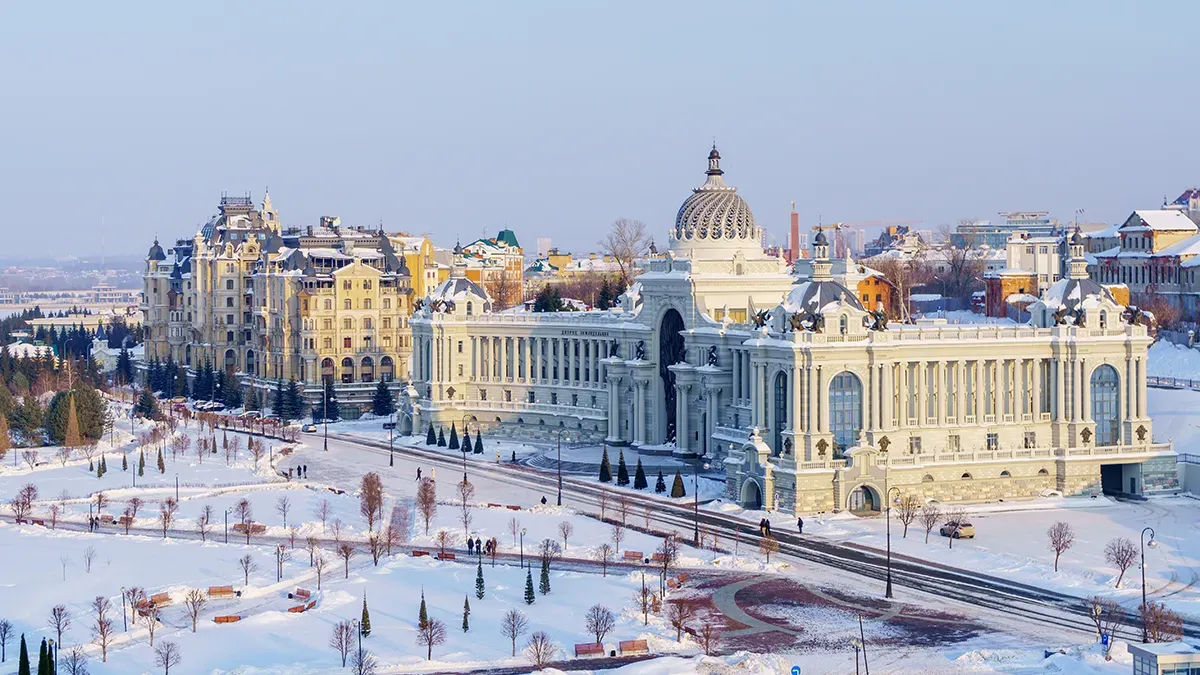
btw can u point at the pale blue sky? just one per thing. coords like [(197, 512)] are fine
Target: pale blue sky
[(554, 118)]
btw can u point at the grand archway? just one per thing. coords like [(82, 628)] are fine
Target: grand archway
[(670, 352), (751, 496), (864, 499)]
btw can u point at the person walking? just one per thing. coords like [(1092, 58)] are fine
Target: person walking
[(800, 525), (768, 525), (418, 473), (478, 545), (470, 546)]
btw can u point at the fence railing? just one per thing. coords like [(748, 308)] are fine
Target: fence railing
[(1172, 382)]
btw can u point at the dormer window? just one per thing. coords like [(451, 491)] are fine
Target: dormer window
[(843, 324), (1103, 319), (470, 308)]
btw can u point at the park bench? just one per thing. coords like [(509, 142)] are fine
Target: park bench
[(657, 557), (310, 605), (684, 578), (301, 594), (21, 521), (495, 506), (589, 650), (125, 520), (239, 528), (418, 554), (297, 609), (633, 647), (672, 584), (445, 556), (510, 507), (39, 522), (108, 519), (635, 556), (226, 619), (220, 591), (255, 528), (160, 599)]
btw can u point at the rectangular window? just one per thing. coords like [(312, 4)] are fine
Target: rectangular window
[(914, 445), (327, 324), (1030, 439), (460, 346), (229, 319), (993, 441), (554, 399), (483, 394), (507, 395), (387, 322), (532, 398), (346, 343), (327, 343), (954, 443), (574, 399)]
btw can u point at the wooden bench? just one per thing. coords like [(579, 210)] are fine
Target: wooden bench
[(635, 556), (589, 650), (684, 578), (657, 557), (510, 507), (226, 619), (301, 594), (21, 521), (495, 506), (239, 528), (418, 554), (297, 609), (108, 519), (255, 528), (672, 584), (220, 591), (310, 605), (39, 522), (160, 599), (632, 647), (446, 556)]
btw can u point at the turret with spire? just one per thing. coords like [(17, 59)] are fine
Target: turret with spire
[(1078, 264)]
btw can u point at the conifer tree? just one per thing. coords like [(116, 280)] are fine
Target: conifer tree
[(253, 402), (293, 401), (677, 486), (529, 596), (124, 462), (423, 616), (162, 465), (639, 477), (44, 666), (605, 467), (382, 403), (478, 442), (544, 582), (660, 485), (430, 436), (453, 437), (441, 439), (365, 625), (72, 438), (5, 439), (141, 463), (622, 470), (466, 613), (23, 659), (479, 586), (277, 408)]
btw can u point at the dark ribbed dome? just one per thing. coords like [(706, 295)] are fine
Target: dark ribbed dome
[(813, 296), (156, 252)]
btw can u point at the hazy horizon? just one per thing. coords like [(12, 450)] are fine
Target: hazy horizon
[(555, 119)]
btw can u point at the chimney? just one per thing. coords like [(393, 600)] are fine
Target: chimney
[(794, 236)]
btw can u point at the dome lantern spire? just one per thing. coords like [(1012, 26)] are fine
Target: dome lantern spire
[(714, 162)]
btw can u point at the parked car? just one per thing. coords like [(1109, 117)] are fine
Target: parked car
[(963, 530), (309, 428), (251, 414)]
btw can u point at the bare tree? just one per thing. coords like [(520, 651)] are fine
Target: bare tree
[(345, 551), (89, 558), (768, 545), (370, 498), (430, 634), (376, 546), (282, 555), (710, 638), (618, 534), (194, 602), (166, 514), (668, 553), (248, 565), (362, 662), (512, 626), (514, 528), (56, 510), (1108, 617), (342, 640), (600, 620), (679, 612), (565, 529), (503, 285), (605, 502), (904, 274), (30, 457), (60, 620), (624, 506), (1121, 554), (322, 513), (74, 661), (135, 505), (64, 454), (466, 492), (102, 625), (101, 502), (337, 526), (312, 545), (445, 538), (643, 598), (320, 564), (151, 614), (282, 506), (166, 655), (427, 500), (244, 513), (1061, 538), (257, 450), (625, 242), (930, 516), (955, 516), (540, 649), (906, 511), (6, 633), (1160, 623), (401, 523), (603, 555), (203, 527)]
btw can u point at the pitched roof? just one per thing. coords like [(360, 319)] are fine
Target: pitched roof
[(1159, 220)]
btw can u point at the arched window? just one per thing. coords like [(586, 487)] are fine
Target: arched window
[(347, 370), (470, 308), (966, 476), (386, 371), (781, 411), (1106, 405), (1005, 474), (1103, 319), (843, 324), (327, 370), (845, 411), (1043, 472), (927, 479), (367, 371)]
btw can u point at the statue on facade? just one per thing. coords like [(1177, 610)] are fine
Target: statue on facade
[(796, 321), (879, 319), (1060, 316), (760, 318), (614, 349), (639, 351), (1133, 315), (712, 355)]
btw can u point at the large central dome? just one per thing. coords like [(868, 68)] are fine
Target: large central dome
[(715, 213)]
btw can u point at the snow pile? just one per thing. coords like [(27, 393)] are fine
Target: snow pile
[(1167, 359), (739, 663)]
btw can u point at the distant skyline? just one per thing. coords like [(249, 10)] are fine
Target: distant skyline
[(554, 119)]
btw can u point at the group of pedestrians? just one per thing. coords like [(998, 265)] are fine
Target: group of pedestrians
[(93, 523), (476, 545), (301, 472), (432, 473), (764, 527)]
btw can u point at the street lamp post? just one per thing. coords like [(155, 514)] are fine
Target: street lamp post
[(558, 433), (522, 547), (1145, 637), (888, 592), (226, 526), (54, 653), (176, 488), (696, 503), (466, 422), (391, 441), (358, 630), (124, 621)]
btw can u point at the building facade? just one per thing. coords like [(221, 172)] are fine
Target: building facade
[(267, 304), (808, 400), (1155, 254)]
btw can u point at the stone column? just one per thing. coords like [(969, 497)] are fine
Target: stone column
[(639, 414), (889, 391), (1129, 405), (1037, 389), (823, 397), (791, 398), (614, 408), (1140, 379), (978, 380), (682, 434)]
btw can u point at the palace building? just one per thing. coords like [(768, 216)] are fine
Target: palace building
[(809, 400), (269, 304)]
